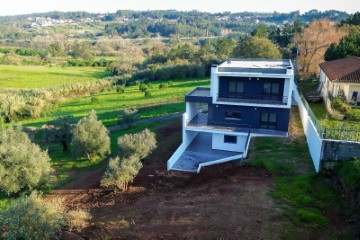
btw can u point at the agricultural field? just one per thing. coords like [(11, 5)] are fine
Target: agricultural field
[(109, 105), (43, 76)]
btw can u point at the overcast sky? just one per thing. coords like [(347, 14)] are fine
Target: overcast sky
[(13, 7)]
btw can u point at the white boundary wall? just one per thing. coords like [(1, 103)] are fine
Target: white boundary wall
[(313, 139)]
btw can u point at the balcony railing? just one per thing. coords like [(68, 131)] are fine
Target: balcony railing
[(200, 121), (245, 98)]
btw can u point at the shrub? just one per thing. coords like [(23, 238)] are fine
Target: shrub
[(147, 94), (29, 217), (143, 87), (353, 114), (129, 116), (336, 103), (94, 100), (120, 89), (349, 171), (163, 85), (77, 219), (90, 138), (23, 165)]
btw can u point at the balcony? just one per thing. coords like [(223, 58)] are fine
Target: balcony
[(258, 99), (200, 122)]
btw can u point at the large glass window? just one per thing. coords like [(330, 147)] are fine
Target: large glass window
[(268, 120), (232, 115), (236, 88), (271, 89)]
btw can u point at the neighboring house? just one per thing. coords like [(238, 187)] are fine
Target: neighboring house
[(341, 78), (248, 97)]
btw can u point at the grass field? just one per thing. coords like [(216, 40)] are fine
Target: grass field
[(43, 76), (110, 104)]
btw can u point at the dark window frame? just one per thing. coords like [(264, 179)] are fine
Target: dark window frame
[(272, 88), (267, 124), (230, 139), (233, 115), (238, 91)]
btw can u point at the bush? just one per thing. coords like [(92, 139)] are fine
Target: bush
[(353, 114), (338, 104), (23, 165), (94, 100), (143, 87), (120, 89), (349, 171), (32, 218), (77, 219), (129, 116), (90, 138), (163, 85), (147, 94)]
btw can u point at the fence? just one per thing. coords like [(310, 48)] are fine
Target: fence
[(326, 144)]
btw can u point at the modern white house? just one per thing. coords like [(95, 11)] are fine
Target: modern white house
[(341, 78), (247, 97)]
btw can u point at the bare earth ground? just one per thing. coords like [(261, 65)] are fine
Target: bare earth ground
[(222, 202)]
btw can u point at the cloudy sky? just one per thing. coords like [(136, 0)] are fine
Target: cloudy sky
[(13, 7)]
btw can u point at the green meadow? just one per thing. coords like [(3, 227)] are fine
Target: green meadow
[(45, 76), (109, 105)]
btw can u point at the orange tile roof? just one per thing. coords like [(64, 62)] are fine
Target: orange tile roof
[(342, 70)]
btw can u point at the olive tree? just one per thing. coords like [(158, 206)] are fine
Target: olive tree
[(90, 138), (140, 144), (120, 172), (30, 217), (133, 148), (59, 131), (23, 165), (129, 116)]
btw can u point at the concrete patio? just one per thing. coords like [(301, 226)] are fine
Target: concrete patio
[(200, 151)]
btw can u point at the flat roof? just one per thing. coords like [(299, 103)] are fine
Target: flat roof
[(262, 66), (199, 92)]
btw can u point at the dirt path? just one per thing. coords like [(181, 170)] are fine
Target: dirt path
[(147, 120)]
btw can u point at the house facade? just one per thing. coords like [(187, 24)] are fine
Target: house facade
[(247, 97), (341, 78)]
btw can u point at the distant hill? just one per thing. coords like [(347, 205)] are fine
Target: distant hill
[(144, 24)]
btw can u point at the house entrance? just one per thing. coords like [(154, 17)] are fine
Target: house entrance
[(354, 96)]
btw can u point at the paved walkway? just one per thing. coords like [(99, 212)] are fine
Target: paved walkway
[(146, 120)]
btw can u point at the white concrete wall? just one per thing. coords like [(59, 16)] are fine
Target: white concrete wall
[(192, 108), (218, 143), (312, 137), (188, 137), (214, 84)]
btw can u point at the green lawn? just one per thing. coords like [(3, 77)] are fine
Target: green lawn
[(327, 121), (43, 76), (110, 104)]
